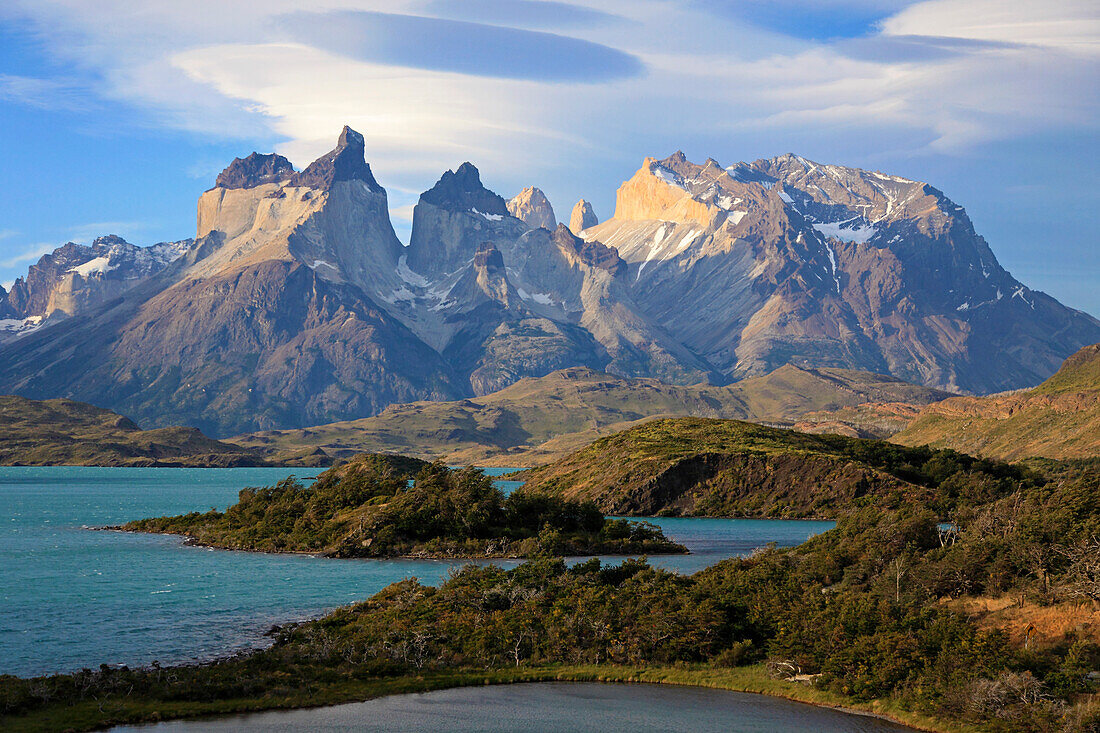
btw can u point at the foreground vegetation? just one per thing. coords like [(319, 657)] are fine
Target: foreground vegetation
[(869, 615), (366, 508)]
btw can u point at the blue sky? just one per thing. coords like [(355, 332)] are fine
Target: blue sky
[(115, 115)]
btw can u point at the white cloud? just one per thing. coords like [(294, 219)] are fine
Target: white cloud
[(84, 233), (43, 93), (402, 213), (415, 121), (31, 253), (6, 285), (940, 75), (1069, 25)]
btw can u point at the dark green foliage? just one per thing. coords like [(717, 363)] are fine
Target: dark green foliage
[(368, 508), (862, 610)]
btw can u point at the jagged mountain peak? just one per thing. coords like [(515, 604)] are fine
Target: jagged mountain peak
[(532, 207), (300, 292), (346, 162), (676, 189), (461, 190), (255, 170), (76, 278), (873, 195), (107, 240)]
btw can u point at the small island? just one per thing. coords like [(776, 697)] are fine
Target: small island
[(369, 508)]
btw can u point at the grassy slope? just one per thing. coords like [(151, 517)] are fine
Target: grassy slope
[(1058, 419), (719, 468), (537, 420), (64, 432)]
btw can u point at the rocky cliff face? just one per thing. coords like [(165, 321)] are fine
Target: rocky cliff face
[(582, 217), (532, 206), (798, 262), (267, 320), (296, 304), (453, 219), (77, 278)]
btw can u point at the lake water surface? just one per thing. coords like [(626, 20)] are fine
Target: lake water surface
[(546, 707), (71, 597)]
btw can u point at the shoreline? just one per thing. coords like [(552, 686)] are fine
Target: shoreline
[(749, 680), (189, 541)]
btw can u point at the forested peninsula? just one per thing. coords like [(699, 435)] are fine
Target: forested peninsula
[(393, 506)]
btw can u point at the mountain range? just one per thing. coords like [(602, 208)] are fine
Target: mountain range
[(296, 304)]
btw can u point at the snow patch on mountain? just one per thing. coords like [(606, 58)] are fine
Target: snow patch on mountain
[(847, 231), (11, 327), (543, 298), (489, 217), (98, 265), (668, 176), (406, 273)]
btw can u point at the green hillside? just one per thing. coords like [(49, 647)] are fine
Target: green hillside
[(1058, 419), (706, 467), (64, 432), (537, 420), (368, 508)]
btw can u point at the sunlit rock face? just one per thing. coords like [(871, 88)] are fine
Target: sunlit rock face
[(778, 261), (532, 206), (582, 217), (269, 318), (296, 304)]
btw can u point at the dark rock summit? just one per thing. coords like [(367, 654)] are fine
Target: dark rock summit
[(346, 162), (255, 170), (489, 258), (461, 190)]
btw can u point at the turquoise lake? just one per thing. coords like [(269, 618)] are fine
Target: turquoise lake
[(71, 597)]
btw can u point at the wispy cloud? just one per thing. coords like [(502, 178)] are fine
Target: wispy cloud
[(84, 233), (932, 75), (44, 93), (6, 233), (30, 253)]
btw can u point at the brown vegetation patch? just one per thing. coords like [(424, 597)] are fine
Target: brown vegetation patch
[(1040, 626)]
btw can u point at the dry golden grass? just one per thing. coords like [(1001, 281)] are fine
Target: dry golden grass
[(1048, 625)]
